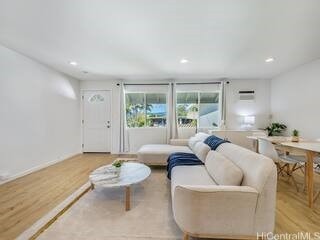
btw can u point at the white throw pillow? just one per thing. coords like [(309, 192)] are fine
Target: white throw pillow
[(223, 170), (201, 150), (202, 136), (199, 137), (192, 141)]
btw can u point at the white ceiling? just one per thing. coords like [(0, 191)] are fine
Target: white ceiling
[(145, 39)]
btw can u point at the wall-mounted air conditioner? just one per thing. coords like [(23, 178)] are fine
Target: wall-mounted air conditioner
[(246, 95)]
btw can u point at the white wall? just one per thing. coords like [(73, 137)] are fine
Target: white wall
[(137, 137), (39, 114), (295, 99), (260, 107)]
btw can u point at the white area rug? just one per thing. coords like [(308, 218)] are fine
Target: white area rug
[(100, 214)]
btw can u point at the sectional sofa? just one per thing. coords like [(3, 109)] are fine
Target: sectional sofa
[(232, 195), (157, 154)]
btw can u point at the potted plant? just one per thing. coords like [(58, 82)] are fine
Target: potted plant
[(295, 136), (117, 166), (275, 129)]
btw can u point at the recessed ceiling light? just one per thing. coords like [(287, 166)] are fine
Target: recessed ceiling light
[(183, 60), (268, 60), (73, 63)]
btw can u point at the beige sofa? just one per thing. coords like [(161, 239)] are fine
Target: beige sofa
[(232, 196), (157, 154)]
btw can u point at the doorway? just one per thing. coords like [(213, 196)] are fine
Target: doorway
[(96, 121)]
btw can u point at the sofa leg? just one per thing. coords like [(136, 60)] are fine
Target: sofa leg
[(185, 236)]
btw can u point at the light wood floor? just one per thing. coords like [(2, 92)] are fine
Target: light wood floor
[(27, 199), (292, 213)]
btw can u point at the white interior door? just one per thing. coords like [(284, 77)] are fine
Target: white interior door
[(96, 121)]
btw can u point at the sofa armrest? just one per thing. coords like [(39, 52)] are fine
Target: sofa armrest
[(215, 210), (179, 142)]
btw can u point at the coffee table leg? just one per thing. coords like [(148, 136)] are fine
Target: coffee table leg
[(127, 198)]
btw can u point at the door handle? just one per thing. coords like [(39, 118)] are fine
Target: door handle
[(108, 126)]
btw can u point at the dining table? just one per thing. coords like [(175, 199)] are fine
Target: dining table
[(273, 139), (310, 149)]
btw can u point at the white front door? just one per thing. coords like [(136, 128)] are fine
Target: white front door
[(96, 121)]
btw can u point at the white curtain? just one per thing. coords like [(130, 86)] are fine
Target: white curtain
[(172, 127), (123, 133), (223, 105)]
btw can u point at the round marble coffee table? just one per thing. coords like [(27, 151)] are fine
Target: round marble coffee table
[(130, 173)]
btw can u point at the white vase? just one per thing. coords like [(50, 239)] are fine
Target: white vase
[(117, 170)]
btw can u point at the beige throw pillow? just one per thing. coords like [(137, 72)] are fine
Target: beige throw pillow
[(223, 170), (201, 150)]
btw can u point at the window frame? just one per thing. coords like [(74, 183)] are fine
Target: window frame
[(145, 108), (198, 105)]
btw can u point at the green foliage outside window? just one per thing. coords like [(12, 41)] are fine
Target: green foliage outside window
[(145, 109), (198, 109)]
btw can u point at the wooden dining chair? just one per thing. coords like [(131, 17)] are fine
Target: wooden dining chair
[(286, 164)]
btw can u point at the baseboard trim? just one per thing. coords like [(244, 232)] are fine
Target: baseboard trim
[(127, 153), (47, 220), (37, 168)]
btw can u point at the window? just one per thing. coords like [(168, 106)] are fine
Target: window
[(187, 109), (156, 106), (209, 112), (135, 110), (96, 98), (146, 109), (198, 109)]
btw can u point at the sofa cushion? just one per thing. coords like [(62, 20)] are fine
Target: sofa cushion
[(256, 168), (179, 142), (163, 148), (223, 170), (157, 154), (192, 141), (182, 159), (201, 150), (190, 175)]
